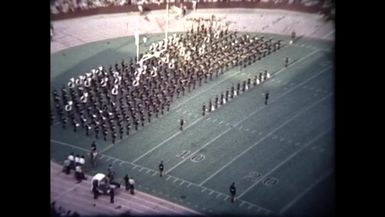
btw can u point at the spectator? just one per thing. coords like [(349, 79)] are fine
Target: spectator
[(66, 167), (112, 195), (131, 182), (95, 190), (77, 160), (71, 158), (110, 173), (82, 161), (126, 182), (78, 173)]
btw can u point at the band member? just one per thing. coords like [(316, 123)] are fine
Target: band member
[(233, 191), (181, 124), (266, 97), (293, 35), (210, 106), (161, 168), (203, 109)]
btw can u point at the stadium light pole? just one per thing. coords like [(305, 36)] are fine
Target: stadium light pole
[(137, 44), (137, 39), (167, 3)]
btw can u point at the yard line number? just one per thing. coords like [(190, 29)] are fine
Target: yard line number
[(195, 158), (254, 176)]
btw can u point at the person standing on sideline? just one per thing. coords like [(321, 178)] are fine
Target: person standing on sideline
[(126, 182), (112, 195), (95, 190), (266, 97), (82, 161), (161, 168), (79, 176), (66, 168), (110, 173), (181, 124), (131, 182), (77, 159), (233, 191), (71, 158)]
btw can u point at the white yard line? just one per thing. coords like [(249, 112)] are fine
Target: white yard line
[(73, 146)]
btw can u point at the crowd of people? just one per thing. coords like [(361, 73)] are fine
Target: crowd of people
[(76, 163), (65, 6), (112, 102)]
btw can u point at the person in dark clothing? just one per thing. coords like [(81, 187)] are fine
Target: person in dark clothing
[(210, 106), (266, 97), (112, 195), (126, 182), (53, 209), (286, 61), (66, 167), (93, 154), (95, 190), (79, 174), (161, 168), (293, 35), (181, 124), (110, 173), (203, 109), (233, 191)]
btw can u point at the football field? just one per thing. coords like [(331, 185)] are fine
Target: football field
[(280, 155)]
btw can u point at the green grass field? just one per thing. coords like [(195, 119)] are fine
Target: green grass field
[(280, 155)]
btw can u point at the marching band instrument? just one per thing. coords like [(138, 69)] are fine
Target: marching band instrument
[(114, 90), (68, 107), (83, 98), (71, 83), (87, 82), (103, 82)]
